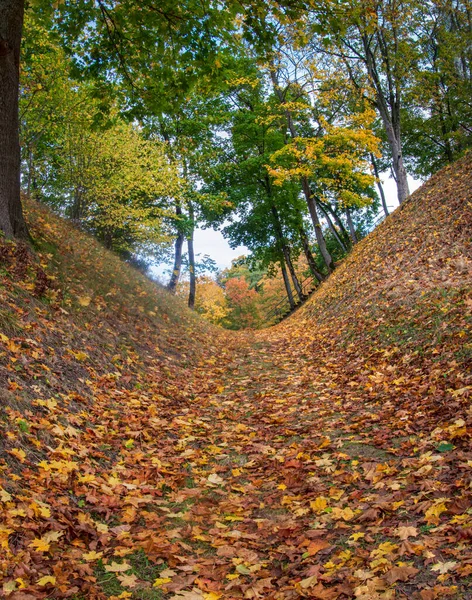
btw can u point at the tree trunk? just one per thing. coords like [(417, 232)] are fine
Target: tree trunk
[(379, 185), (352, 229), (389, 110), (317, 225), (333, 228), (296, 283), (191, 258), (309, 255), (287, 284), (403, 190), (12, 222), (285, 249), (179, 242)]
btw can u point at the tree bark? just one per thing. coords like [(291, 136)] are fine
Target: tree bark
[(179, 242), (296, 283), (286, 250), (389, 110), (317, 225), (333, 228), (352, 229), (379, 185), (287, 284), (309, 255), (12, 222), (191, 258)]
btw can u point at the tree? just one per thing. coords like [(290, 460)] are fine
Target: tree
[(12, 222), (375, 42)]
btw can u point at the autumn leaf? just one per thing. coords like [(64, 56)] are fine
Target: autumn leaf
[(404, 532), (444, 567), (319, 504), (18, 453), (46, 580), (115, 567), (40, 545), (315, 547), (84, 300), (92, 555), (4, 495), (400, 574), (130, 581)]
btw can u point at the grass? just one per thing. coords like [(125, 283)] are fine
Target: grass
[(142, 567)]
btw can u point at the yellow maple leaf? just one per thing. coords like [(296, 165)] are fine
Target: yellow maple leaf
[(46, 579), (161, 581), (84, 300), (52, 536), (319, 504), (39, 544), (431, 516), (4, 495), (20, 454)]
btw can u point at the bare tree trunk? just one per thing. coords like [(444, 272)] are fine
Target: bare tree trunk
[(333, 228), (191, 258), (379, 185), (179, 242), (403, 189), (390, 118), (285, 249), (309, 255), (287, 284), (12, 222), (352, 229), (296, 283), (317, 225)]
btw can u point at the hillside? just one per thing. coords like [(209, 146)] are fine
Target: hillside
[(146, 454)]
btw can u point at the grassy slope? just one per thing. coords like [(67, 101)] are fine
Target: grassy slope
[(277, 465)]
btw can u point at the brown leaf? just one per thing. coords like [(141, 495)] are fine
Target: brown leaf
[(400, 574)]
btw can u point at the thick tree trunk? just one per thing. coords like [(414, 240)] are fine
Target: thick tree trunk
[(288, 288), (309, 255), (191, 259), (379, 185), (12, 222), (352, 229), (317, 225)]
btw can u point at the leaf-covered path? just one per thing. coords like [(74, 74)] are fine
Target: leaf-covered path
[(298, 488)]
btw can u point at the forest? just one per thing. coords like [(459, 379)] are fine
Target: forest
[(275, 122)]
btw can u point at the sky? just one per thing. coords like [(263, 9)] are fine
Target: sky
[(212, 243)]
